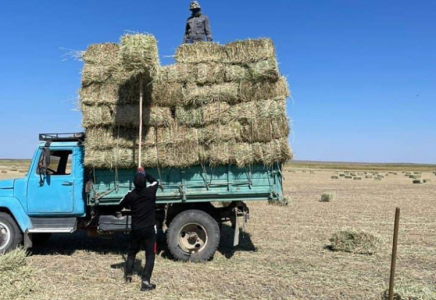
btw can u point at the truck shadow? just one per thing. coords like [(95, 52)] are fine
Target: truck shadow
[(68, 244), (226, 247)]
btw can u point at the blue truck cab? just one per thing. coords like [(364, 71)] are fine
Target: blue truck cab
[(60, 195)]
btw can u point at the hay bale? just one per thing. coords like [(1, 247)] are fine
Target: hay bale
[(213, 73), (417, 181), (125, 115), (411, 291), (243, 154), (327, 197), (113, 92), (166, 156), (247, 51), (139, 54), (164, 93), (250, 50), (357, 242), (103, 63)]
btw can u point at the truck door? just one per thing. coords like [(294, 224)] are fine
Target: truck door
[(52, 193)]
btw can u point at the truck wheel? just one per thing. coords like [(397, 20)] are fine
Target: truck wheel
[(10, 234), (193, 235)]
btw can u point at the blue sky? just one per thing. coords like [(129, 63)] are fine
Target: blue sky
[(362, 72)]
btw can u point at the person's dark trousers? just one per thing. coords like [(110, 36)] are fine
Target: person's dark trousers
[(144, 237)]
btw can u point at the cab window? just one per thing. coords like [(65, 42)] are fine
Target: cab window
[(60, 163)]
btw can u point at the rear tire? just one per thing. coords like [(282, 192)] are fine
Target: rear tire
[(10, 234), (193, 235)]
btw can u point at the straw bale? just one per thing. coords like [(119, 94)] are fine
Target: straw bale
[(249, 90), (250, 50), (103, 138), (223, 113), (203, 94), (139, 54), (207, 114), (100, 54), (176, 73), (212, 73), (243, 154), (166, 93), (166, 156), (234, 92), (125, 115), (200, 52), (102, 64), (236, 73), (113, 92), (246, 51)]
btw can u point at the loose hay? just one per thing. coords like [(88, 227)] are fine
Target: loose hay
[(15, 275), (357, 242)]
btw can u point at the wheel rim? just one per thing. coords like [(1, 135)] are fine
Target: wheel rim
[(192, 238), (5, 236)]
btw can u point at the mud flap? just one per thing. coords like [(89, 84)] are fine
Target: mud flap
[(235, 226)]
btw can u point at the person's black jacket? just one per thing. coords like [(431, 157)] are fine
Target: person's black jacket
[(197, 29), (141, 202)]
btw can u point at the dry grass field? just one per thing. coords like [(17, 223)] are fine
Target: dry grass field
[(284, 253)]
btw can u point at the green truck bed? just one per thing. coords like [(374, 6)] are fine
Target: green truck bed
[(194, 184)]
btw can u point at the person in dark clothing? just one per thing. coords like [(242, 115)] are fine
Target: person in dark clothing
[(141, 202), (197, 26)]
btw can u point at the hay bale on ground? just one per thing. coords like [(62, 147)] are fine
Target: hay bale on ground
[(327, 197), (357, 242), (139, 54)]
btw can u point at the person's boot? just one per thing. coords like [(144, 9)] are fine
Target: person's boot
[(147, 286), (128, 278)]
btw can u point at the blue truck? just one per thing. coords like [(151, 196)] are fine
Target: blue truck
[(59, 194)]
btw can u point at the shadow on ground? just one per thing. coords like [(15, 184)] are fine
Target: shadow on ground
[(68, 244)]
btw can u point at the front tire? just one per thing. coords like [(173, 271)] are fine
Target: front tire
[(193, 235), (10, 234)]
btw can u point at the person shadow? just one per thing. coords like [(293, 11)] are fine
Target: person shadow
[(137, 266)]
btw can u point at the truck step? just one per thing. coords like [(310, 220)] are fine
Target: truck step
[(53, 225)]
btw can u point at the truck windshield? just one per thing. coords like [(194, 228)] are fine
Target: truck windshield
[(60, 163)]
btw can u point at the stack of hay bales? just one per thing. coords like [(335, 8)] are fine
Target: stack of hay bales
[(218, 104)]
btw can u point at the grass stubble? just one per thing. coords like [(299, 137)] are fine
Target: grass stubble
[(284, 254)]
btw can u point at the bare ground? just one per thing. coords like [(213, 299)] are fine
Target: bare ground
[(284, 254)]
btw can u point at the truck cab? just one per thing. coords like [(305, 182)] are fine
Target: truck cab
[(60, 195)]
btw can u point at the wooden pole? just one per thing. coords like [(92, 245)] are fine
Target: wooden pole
[(141, 92), (394, 254)]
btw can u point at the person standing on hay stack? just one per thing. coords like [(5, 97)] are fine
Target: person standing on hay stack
[(197, 26), (142, 202)]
